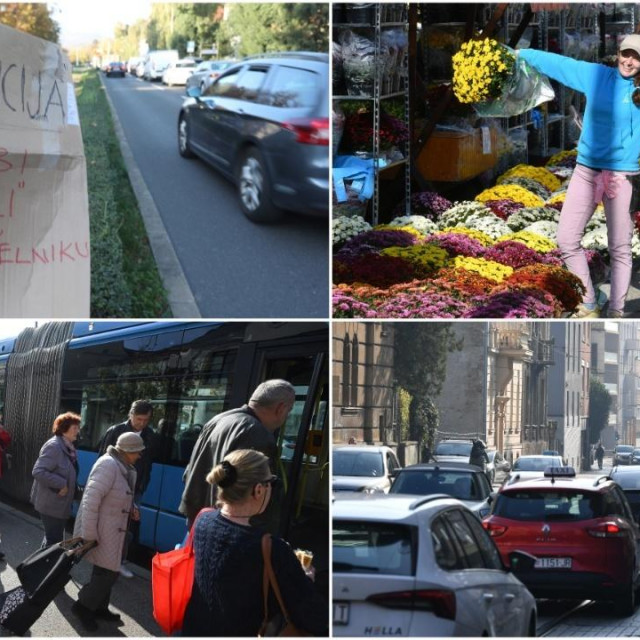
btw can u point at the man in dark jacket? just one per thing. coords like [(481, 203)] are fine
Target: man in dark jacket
[(140, 415), (252, 426)]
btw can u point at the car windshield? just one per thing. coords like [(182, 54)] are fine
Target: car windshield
[(357, 463), (454, 449), (624, 448), (536, 464), (463, 485), (552, 505), (373, 547)]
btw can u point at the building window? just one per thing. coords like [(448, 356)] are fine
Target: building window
[(346, 371), (354, 371)]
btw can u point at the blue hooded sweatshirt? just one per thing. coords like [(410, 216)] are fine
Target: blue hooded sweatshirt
[(610, 136)]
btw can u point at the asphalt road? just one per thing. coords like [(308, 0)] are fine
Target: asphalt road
[(131, 598), (234, 268)]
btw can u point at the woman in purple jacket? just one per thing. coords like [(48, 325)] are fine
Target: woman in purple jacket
[(54, 477), (608, 152)]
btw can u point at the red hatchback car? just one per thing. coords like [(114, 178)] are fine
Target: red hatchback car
[(581, 531)]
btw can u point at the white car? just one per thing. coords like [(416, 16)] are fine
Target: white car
[(365, 468), (453, 450), (422, 567), (177, 73), (533, 466)]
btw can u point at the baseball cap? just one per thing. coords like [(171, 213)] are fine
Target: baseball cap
[(631, 41), (130, 442)]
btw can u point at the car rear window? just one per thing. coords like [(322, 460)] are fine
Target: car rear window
[(454, 449), (536, 464), (357, 463), (374, 547), (551, 505), (292, 88), (458, 484)]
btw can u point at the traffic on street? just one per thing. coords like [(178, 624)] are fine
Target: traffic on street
[(234, 267)]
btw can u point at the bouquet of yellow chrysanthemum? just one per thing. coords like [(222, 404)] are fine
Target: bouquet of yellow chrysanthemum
[(489, 75)]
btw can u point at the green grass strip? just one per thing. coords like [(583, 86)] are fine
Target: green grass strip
[(125, 282)]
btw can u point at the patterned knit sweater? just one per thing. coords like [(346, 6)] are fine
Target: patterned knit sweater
[(227, 590)]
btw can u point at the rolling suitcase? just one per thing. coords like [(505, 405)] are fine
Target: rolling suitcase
[(43, 575)]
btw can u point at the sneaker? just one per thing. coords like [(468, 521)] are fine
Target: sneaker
[(106, 614), (614, 313), (124, 572), (86, 616), (584, 312)]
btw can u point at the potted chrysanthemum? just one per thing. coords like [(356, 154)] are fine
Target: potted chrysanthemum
[(488, 75)]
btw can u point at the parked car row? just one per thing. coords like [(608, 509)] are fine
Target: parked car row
[(417, 562)]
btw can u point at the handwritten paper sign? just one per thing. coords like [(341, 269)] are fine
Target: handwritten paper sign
[(44, 211)]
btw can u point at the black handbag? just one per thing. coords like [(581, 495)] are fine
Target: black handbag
[(38, 569)]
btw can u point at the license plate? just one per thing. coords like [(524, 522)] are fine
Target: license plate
[(340, 613), (553, 563)]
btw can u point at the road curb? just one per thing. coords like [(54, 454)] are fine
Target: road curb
[(181, 299)]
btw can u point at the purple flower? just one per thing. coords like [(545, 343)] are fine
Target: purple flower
[(503, 208), (513, 304), (513, 254), (457, 244), (345, 306), (425, 203), (426, 304), (380, 238)]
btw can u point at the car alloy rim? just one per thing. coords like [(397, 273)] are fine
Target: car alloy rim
[(183, 135), (251, 181)]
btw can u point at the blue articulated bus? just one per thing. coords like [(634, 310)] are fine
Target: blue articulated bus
[(190, 371)]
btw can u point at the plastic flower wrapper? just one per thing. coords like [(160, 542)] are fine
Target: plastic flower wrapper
[(337, 126), (489, 75)]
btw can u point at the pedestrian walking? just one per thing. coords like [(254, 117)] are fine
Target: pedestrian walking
[(479, 455), (608, 152), (105, 509), (55, 473), (227, 596), (599, 454), (140, 415), (250, 427)]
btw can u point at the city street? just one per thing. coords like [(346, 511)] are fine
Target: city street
[(233, 267), (131, 598)]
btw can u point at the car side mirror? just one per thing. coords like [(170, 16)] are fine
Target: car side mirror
[(393, 473), (520, 561), (194, 92)]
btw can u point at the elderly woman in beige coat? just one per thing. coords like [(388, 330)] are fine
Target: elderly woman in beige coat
[(103, 516)]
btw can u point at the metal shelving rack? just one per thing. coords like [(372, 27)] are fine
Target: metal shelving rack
[(379, 95)]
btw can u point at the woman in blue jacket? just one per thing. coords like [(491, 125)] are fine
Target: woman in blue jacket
[(54, 477), (608, 153)]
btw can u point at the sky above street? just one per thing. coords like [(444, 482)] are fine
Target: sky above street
[(82, 21), (11, 328)]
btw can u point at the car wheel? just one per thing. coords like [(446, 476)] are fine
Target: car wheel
[(254, 188), (183, 138), (531, 630), (625, 603)]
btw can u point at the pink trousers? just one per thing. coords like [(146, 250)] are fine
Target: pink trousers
[(587, 188)]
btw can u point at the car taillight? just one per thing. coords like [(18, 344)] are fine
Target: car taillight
[(309, 130), (607, 530), (494, 530), (440, 602)]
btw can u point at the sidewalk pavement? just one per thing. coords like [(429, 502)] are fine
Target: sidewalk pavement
[(21, 535)]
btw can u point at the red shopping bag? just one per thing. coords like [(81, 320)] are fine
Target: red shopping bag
[(171, 583)]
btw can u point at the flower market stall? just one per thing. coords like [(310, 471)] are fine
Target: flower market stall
[(472, 234)]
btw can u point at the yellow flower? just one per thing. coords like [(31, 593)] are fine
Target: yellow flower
[(532, 240), (511, 192), (486, 268), (539, 174)]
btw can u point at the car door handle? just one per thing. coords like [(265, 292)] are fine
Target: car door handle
[(488, 597)]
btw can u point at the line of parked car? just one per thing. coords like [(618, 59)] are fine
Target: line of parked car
[(432, 549)]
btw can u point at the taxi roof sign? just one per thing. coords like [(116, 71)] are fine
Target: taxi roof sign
[(560, 472)]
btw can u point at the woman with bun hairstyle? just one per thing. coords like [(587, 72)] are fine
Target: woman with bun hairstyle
[(227, 596), (54, 477), (608, 152)]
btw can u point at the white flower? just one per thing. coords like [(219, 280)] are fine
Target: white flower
[(546, 228), (528, 215), (458, 214), (492, 225), (419, 223), (598, 219), (596, 239), (344, 227)]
